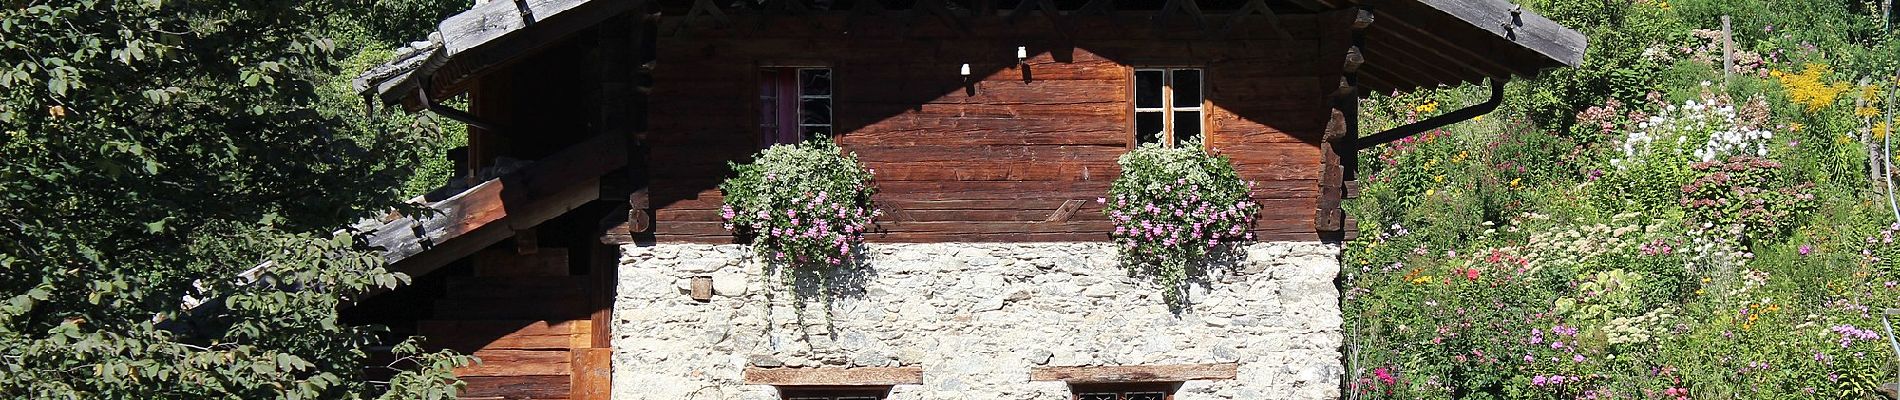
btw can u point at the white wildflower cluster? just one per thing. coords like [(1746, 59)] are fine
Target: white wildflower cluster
[(1637, 329), (1712, 121), (1566, 243), (1715, 248)]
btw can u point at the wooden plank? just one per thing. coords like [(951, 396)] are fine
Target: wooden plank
[(518, 363), (499, 263), (516, 387), (592, 374), (1066, 211), (520, 200), (1510, 22), (480, 335), (834, 376), (502, 287), (1136, 373), (543, 308), (498, 32)]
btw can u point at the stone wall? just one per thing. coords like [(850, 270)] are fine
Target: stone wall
[(976, 318)]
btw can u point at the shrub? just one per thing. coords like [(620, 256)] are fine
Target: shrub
[(1173, 209), (1746, 192), (804, 205)]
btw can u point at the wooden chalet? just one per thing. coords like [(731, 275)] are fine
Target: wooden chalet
[(598, 123)]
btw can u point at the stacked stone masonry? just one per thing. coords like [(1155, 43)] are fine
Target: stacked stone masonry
[(976, 318)]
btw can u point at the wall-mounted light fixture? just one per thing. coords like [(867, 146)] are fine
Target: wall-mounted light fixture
[(969, 89), (1022, 55)]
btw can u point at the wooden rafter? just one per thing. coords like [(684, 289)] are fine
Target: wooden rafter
[(1188, 8), (1254, 7), (861, 9), (935, 8), (1048, 10), (1096, 7), (701, 9), (493, 210)]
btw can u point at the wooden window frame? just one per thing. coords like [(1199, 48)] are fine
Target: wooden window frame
[(796, 104), (1168, 108), (1121, 390), (834, 392)]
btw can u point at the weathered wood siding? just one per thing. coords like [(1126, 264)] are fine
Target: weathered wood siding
[(992, 166)]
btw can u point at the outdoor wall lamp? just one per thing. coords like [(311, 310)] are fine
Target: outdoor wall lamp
[(1022, 55), (968, 87)]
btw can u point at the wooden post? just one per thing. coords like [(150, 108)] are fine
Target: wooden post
[(1728, 51), (644, 39), (1338, 149)]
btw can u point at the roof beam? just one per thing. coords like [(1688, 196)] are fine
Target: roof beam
[(493, 210)]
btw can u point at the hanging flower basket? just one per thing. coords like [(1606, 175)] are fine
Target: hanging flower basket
[(1176, 208), (804, 206)]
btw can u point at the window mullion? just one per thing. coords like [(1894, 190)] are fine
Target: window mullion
[(1167, 108)]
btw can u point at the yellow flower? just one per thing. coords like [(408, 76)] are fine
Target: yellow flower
[(1438, 178), (1880, 130), (1422, 279), (1810, 87), (1698, 292), (1514, 182), (1429, 106), (56, 112), (1796, 126), (1430, 192)]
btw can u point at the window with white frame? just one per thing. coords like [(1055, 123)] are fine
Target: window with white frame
[(1168, 105), (794, 104)]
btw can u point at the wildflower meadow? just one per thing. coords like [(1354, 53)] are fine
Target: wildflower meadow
[(1645, 226)]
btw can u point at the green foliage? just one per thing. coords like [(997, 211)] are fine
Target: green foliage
[(805, 205), (1675, 249), (1174, 208), (1748, 192), (156, 152), (1630, 44)]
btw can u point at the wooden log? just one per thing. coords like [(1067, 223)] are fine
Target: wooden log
[(518, 363), (865, 376), (592, 374), (479, 335), (1135, 373), (558, 308), (516, 387), (491, 211)]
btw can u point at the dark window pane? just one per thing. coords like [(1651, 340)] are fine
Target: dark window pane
[(1096, 396), (1187, 125), (1146, 396), (1148, 126), (1148, 89), (1187, 88), (768, 112), (814, 111), (815, 82)]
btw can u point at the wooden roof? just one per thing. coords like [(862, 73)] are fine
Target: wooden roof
[(1412, 43)]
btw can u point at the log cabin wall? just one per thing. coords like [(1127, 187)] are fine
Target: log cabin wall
[(993, 164)]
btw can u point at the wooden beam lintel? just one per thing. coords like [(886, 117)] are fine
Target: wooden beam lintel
[(879, 376), (1136, 373)]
